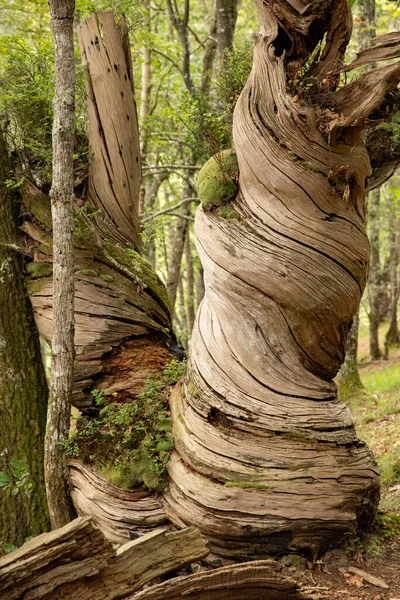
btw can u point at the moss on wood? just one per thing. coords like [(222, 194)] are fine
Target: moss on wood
[(142, 269), (217, 180)]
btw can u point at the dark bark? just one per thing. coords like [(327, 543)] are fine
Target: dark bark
[(210, 50), (62, 208), (23, 388), (226, 19)]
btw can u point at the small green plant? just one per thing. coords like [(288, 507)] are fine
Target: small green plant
[(18, 479), (129, 443), (100, 397), (7, 548)]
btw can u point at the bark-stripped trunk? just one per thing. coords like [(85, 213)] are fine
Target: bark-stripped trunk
[(23, 387), (266, 456), (62, 208)]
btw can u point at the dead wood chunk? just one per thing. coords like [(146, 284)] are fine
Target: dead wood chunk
[(50, 560), (136, 564), (372, 579), (246, 581)]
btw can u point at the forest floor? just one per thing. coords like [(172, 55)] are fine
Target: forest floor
[(376, 412)]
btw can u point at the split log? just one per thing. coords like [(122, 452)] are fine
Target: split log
[(50, 560), (76, 561), (115, 169), (137, 563), (114, 511), (249, 581)]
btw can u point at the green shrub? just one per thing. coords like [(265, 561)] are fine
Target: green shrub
[(130, 443)]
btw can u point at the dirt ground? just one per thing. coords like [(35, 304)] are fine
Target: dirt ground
[(332, 580)]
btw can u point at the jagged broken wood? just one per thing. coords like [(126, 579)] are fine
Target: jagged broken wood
[(52, 559), (78, 562), (115, 512), (248, 581), (115, 169)]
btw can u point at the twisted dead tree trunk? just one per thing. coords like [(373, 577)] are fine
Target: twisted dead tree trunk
[(266, 456)]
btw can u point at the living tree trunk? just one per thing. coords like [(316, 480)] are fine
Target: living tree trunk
[(190, 311), (374, 279), (62, 209), (349, 380), (23, 387), (266, 458), (392, 337), (226, 22)]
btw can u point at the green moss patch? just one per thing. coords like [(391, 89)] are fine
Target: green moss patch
[(142, 269), (217, 180)]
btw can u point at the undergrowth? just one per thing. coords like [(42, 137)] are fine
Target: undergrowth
[(129, 443)]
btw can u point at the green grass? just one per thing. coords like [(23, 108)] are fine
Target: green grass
[(376, 412)]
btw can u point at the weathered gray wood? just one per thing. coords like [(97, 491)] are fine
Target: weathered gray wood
[(137, 563), (248, 581), (76, 561), (115, 169), (48, 561), (266, 457), (115, 511)]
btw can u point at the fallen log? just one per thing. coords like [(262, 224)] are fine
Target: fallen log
[(137, 563), (50, 560), (247, 581), (77, 562), (114, 511)]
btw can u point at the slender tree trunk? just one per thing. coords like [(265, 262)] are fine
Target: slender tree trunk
[(62, 205), (190, 312), (23, 387), (393, 335), (178, 244), (210, 50), (374, 280), (349, 378), (184, 333), (227, 16), (200, 291)]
